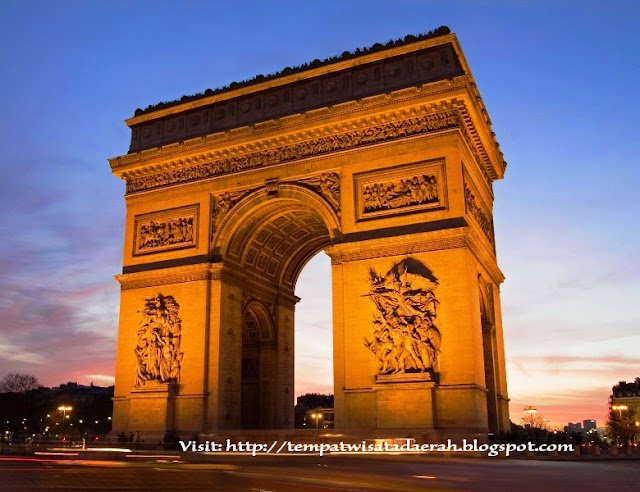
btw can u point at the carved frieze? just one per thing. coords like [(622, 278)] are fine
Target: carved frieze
[(476, 211), (323, 145), (327, 185), (410, 188), (158, 353), (166, 230), (405, 337)]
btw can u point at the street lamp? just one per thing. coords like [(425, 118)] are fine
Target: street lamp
[(619, 408), (64, 409), (317, 417)]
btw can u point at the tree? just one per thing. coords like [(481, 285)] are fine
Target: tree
[(533, 419), (622, 425), (15, 382)]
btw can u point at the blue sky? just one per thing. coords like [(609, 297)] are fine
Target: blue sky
[(560, 81)]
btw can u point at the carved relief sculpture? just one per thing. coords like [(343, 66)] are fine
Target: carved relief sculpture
[(165, 233), (405, 337), (328, 185), (221, 206), (483, 219), (408, 188), (223, 203), (166, 230), (400, 193), (158, 352)]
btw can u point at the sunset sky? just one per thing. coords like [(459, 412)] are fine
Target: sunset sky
[(560, 80)]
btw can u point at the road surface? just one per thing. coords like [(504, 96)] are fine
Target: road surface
[(319, 474)]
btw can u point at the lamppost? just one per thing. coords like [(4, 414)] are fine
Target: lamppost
[(317, 417), (619, 408), (64, 409)]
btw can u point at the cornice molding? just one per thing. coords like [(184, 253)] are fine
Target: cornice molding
[(375, 248), (484, 253), (256, 285), (462, 237), (164, 276)]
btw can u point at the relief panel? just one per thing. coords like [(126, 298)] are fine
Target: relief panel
[(166, 230), (405, 189), (158, 352), (476, 208), (405, 337)]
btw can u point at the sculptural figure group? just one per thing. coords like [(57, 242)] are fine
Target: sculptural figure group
[(158, 348), (164, 233), (405, 338), (403, 193)]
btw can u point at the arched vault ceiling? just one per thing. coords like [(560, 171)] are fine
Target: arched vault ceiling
[(276, 241)]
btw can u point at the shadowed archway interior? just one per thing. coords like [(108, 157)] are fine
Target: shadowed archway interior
[(258, 371)]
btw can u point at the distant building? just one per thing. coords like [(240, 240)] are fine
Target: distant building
[(572, 428), (319, 418), (585, 427), (70, 409), (72, 388), (625, 398), (309, 402), (624, 408)]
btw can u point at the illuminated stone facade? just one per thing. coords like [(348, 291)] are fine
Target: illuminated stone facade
[(385, 161)]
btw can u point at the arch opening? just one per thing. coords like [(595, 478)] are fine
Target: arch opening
[(267, 243), (314, 342)]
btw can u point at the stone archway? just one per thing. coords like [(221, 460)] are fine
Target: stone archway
[(384, 160), (264, 237)]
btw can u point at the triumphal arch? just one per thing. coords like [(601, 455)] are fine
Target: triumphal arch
[(384, 159)]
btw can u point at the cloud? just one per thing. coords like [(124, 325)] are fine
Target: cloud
[(569, 406), (569, 387), (57, 332), (576, 362), (15, 354)]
